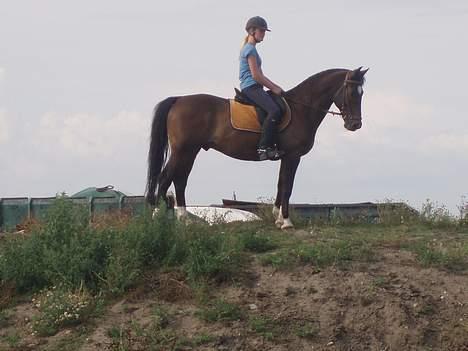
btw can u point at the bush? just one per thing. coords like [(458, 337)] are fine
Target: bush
[(63, 250), (66, 250)]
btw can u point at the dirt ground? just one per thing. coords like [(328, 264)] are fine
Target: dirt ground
[(390, 304)]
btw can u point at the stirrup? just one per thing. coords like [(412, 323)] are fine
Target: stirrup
[(269, 153), (262, 154), (275, 154)]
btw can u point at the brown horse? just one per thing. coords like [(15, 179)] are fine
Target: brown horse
[(187, 124)]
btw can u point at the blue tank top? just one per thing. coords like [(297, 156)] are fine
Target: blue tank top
[(245, 76)]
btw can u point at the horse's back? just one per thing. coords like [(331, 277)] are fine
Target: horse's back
[(196, 119)]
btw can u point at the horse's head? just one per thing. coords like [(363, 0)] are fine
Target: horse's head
[(348, 98)]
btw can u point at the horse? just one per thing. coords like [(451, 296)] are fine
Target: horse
[(183, 125)]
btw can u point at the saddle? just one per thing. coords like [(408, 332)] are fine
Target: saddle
[(247, 116)]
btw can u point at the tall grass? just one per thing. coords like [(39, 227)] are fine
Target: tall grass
[(67, 250)]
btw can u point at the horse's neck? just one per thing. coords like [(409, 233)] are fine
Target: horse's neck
[(317, 93)]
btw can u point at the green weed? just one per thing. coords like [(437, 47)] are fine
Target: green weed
[(213, 255), (281, 259), (257, 242), (221, 311), (265, 327), (320, 254), (4, 319), (12, 339), (435, 254), (308, 330), (336, 252)]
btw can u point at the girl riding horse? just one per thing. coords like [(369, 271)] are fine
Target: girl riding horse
[(252, 81)]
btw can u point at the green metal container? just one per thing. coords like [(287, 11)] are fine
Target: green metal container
[(13, 211)]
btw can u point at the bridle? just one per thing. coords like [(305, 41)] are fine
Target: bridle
[(343, 108)]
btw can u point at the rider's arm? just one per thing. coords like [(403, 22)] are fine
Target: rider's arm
[(276, 92), (259, 77)]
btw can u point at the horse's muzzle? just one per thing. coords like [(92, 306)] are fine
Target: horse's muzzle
[(353, 124)]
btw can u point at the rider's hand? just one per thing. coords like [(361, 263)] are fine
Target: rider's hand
[(277, 90)]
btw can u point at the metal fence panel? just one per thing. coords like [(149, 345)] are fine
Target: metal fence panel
[(13, 211)]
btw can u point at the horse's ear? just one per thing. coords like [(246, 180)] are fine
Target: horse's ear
[(358, 70), (364, 72)]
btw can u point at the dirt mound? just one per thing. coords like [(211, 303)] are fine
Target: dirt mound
[(389, 303)]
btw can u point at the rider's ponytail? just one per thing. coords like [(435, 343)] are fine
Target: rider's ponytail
[(246, 39)]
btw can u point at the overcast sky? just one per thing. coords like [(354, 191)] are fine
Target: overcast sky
[(79, 80)]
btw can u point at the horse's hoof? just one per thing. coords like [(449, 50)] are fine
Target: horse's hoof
[(287, 224), (279, 223)]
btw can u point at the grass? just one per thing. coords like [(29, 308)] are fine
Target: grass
[(308, 330), (4, 319), (101, 262), (433, 253), (265, 326), (12, 339), (323, 253), (220, 311), (157, 335)]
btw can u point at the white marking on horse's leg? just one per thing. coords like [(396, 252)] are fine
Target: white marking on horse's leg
[(155, 212), (287, 224), (279, 219), (181, 212), (275, 211)]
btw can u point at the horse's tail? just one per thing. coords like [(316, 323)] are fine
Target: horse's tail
[(158, 147)]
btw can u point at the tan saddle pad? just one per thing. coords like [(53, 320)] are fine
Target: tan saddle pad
[(244, 117)]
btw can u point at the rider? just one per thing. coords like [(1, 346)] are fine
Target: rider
[(252, 81)]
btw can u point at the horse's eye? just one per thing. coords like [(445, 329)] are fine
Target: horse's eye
[(359, 89)]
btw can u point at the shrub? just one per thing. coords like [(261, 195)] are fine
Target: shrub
[(63, 250)]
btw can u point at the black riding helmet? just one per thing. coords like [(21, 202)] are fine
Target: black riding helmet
[(256, 22)]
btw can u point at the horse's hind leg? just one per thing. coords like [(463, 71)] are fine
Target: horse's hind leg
[(165, 180), (181, 174)]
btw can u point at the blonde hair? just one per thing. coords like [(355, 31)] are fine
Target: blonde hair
[(246, 39)]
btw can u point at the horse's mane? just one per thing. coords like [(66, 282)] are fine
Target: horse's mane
[(312, 80)]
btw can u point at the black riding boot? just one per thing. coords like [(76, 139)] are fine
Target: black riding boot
[(267, 148)]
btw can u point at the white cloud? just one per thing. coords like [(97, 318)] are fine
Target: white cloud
[(90, 135), (384, 110), (4, 127)]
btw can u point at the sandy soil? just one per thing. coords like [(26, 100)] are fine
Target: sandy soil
[(390, 304)]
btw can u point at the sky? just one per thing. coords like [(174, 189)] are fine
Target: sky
[(79, 81)]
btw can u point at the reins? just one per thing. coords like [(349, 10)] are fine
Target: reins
[(333, 113)]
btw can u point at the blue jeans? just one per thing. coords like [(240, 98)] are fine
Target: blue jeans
[(264, 101)]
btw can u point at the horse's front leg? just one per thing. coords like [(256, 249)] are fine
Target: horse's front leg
[(285, 184), (277, 206)]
